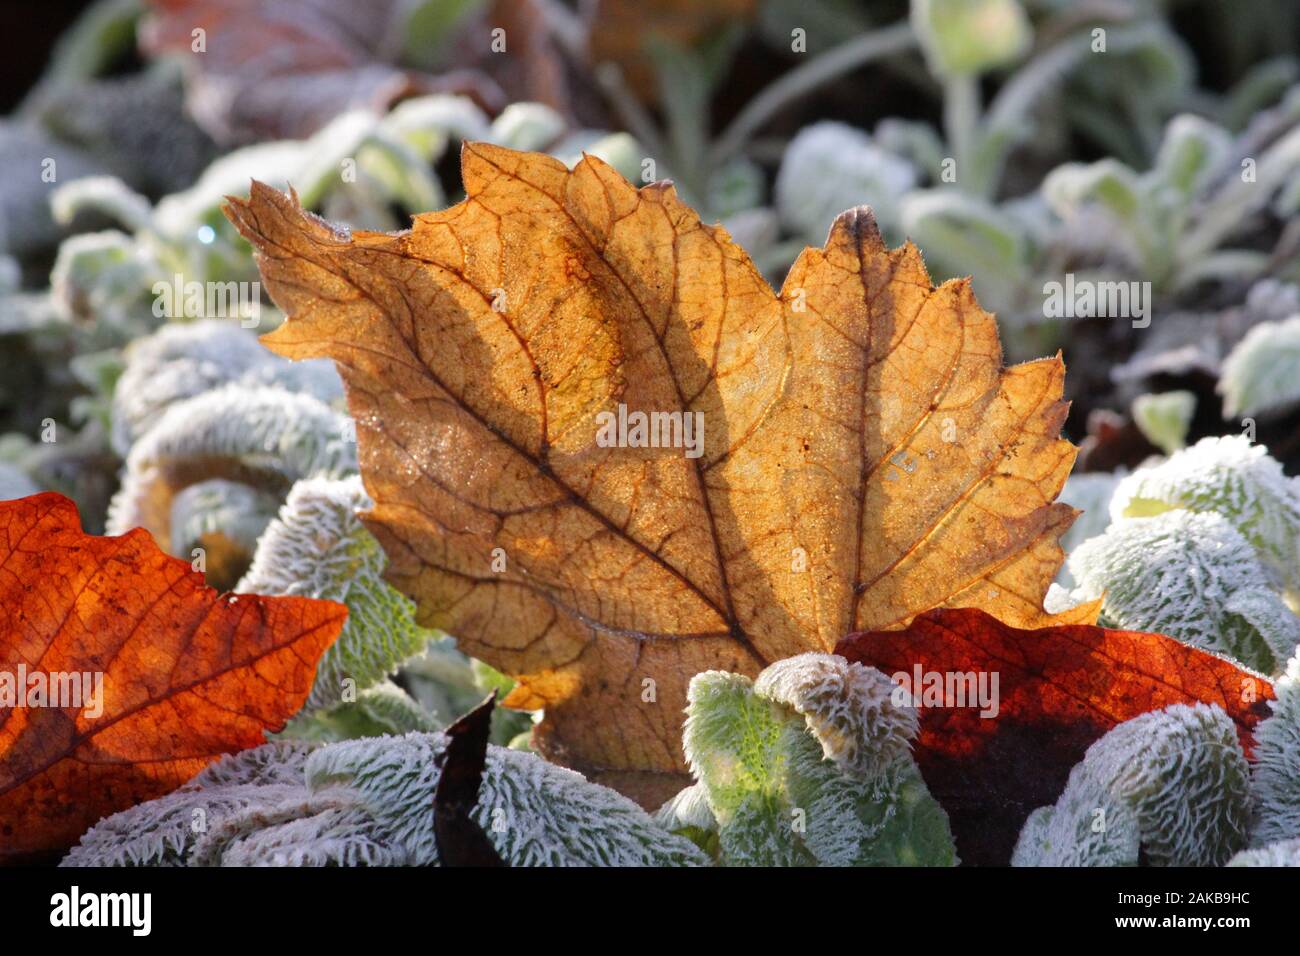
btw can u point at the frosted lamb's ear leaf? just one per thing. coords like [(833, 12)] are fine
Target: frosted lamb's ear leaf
[(101, 279), (368, 802), (1172, 782), (276, 762), (1282, 853), (299, 830), (162, 832), (1087, 827), (1262, 372), (1164, 418), (535, 813), (829, 167), (1192, 576), (847, 707), (810, 764), (1234, 478), (1275, 787), (264, 437), (319, 548), (180, 361)]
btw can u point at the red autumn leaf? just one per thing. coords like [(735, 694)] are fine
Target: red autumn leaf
[(1058, 690), (148, 674)]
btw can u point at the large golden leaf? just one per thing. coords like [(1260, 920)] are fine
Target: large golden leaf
[(866, 456)]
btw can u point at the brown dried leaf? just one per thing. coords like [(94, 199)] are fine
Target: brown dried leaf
[(865, 457)]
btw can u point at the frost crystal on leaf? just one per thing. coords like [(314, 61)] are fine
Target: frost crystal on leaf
[(1171, 784), (319, 548), (1192, 576), (162, 832), (808, 765), (1276, 772), (1236, 479)]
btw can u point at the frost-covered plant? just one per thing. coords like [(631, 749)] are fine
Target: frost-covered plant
[(180, 361), (1190, 575), (808, 765), (1107, 221), (101, 277), (162, 832), (382, 709), (1262, 373), (829, 167), (262, 437), (1235, 479), (1203, 546), (1282, 853), (1170, 787), (1147, 215), (368, 802), (1275, 787), (319, 548)]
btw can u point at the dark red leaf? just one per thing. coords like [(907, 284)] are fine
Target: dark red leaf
[(1059, 689)]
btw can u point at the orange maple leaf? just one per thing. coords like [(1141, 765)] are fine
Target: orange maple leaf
[(862, 454), (148, 675)]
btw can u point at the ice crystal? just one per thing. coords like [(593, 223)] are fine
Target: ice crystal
[(1170, 786), (809, 765), (319, 548), (1192, 576)]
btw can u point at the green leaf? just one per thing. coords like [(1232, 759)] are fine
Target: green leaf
[(809, 765), (319, 548)]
